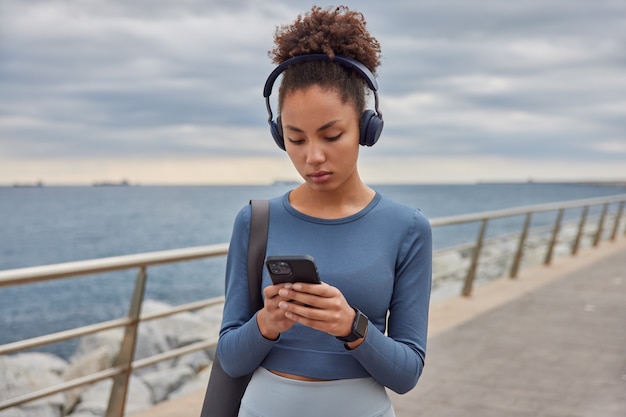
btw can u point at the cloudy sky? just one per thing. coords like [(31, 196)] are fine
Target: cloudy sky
[(170, 91)]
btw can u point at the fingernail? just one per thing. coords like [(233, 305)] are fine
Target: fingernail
[(282, 305), (287, 285), (297, 287), (283, 292)]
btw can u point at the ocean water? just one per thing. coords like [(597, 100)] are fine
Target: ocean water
[(40, 226)]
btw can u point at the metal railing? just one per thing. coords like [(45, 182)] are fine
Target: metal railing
[(527, 212), (125, 363)]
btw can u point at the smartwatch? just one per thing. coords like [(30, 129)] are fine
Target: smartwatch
[(359, 327)]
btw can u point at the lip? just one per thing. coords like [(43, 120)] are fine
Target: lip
[(320, 176)]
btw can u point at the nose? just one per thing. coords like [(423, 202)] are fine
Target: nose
[(315, 153)]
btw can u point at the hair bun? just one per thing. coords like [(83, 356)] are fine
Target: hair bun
[(331, 31)]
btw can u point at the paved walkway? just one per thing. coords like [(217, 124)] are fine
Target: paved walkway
[(557, 351), (551, 343)]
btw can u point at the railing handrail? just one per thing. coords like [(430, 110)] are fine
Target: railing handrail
[(115, 263), (125, 364), (519, 211)]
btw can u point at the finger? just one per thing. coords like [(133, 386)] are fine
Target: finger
[(274, 315), (331, 298), (310, 318), (300, 298), (322, 290), (297, 311), (272, 322), (317, 290), (272, 290)]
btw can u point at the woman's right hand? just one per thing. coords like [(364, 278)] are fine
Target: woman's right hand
[(271, 319)]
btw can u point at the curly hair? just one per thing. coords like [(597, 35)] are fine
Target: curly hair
[(331, 31)]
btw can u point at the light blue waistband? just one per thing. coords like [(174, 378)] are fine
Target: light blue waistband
[(271, 395)]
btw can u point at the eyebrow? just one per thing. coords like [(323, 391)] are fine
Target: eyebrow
[(324, 127)]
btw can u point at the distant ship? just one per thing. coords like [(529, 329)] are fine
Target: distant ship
[(37, 184), (123, 183)]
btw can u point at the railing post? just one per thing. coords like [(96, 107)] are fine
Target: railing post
[(596, 240), (520, 247), (581, 228), (618, 218), (471, 272), (624, 224), (117, 398), (555, 233)]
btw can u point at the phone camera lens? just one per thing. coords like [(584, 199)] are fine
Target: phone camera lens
[(280, 268)]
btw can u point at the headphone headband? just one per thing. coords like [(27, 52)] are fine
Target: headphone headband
[(371, 123), (353, 64)]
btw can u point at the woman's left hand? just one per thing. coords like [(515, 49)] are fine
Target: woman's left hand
[(319, 306)]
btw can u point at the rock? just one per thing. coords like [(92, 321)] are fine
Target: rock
[(85, 414), (27, 372), (12, 412), (180, 329), (196, 360), (94, 353), (162, 383), (31, 411), (151, 341), (109, 339), (46, 362), (198, 382), (184, 329), (211, 315), (95, 399), (212, 319), (449, 263), (99, 359)]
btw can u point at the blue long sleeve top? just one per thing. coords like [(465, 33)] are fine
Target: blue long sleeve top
[(379, 258)]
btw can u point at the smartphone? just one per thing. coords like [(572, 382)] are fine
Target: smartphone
[(292, 268)]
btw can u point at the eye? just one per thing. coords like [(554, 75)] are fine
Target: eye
[(333, 138), (296, 141)]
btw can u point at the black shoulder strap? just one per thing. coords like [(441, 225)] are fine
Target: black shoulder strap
[(257, 245)]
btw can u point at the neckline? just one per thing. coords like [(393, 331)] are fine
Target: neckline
[(341, 220)]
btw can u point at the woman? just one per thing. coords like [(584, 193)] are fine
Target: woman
[(329, 349)]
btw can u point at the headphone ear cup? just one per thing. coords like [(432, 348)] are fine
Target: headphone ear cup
[(371, 128), (277, 133)]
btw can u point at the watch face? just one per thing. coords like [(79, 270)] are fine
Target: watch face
[(359, 328), (361, 324)]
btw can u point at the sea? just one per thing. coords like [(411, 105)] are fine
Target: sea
[(55, 224)]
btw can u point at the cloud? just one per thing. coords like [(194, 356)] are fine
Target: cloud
[(527, 81)]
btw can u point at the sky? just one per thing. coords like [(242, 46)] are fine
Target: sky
[(170, 91)]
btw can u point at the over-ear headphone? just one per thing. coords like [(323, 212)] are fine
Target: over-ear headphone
[(371, 124)]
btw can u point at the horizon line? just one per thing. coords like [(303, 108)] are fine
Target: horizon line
[(127, 183)]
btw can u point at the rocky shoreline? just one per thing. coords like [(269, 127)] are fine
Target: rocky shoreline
[(26, 372)]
